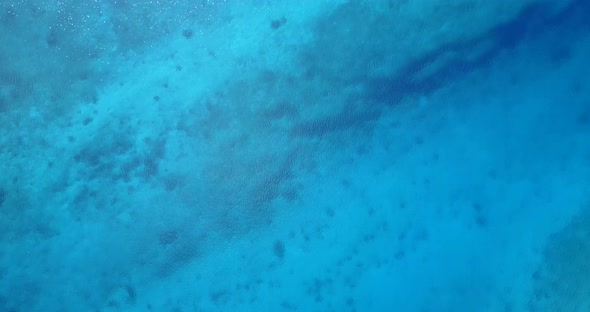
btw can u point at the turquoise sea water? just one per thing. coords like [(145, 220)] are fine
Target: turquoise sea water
[(324, 155)]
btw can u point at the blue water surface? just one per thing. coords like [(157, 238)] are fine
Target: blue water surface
[(333, 155)]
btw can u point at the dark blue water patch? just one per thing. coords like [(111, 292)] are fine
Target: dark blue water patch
[(583, 119), (3, 105), (2, 196), (539, 19), (454, 60)]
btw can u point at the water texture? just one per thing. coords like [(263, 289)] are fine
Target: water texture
[(330, 155)]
